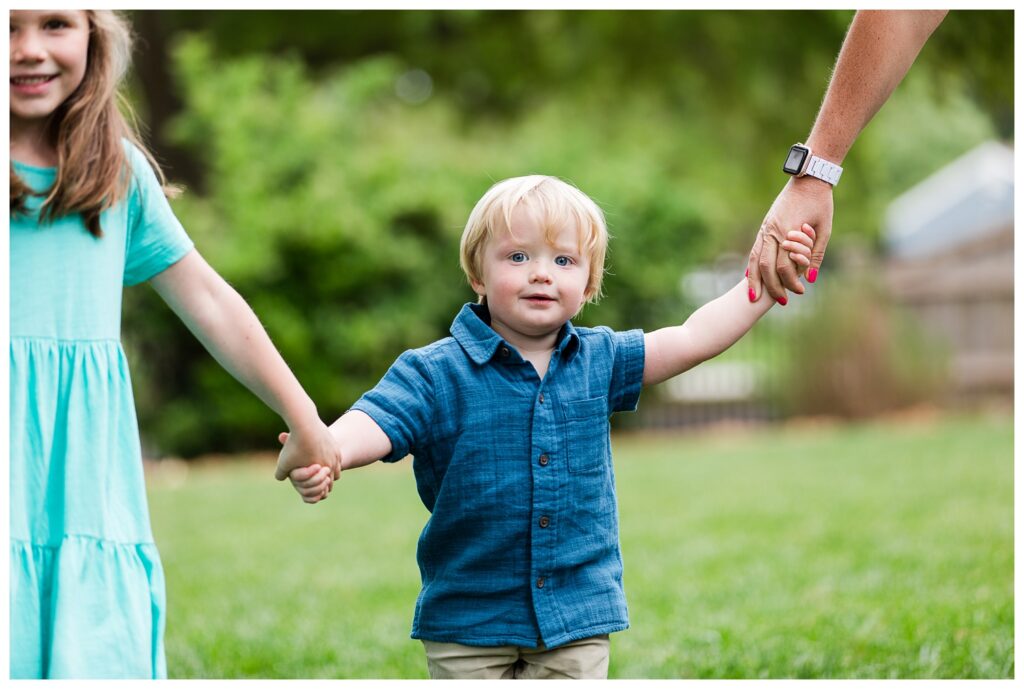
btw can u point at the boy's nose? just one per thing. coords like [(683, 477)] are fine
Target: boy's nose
[(539, 275)]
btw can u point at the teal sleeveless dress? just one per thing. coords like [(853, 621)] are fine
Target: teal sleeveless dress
[(86, 583)]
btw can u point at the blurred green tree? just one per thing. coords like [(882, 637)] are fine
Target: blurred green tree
[(332, 158)]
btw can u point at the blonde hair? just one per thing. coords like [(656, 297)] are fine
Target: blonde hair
[(88, 132), (555, 203)]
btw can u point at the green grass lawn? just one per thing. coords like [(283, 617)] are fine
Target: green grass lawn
[(877, 550)]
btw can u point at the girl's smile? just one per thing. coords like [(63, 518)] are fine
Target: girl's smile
[(32, 85), (49, 55)]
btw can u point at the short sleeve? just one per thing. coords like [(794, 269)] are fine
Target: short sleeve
[(627, 370), (402, 404), (156, 240)]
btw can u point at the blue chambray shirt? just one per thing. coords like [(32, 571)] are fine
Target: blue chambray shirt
[(522, 544)]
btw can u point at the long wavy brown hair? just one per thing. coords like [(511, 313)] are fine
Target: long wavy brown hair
[(88, 130)]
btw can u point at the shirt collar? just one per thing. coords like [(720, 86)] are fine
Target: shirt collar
[(472, 330)]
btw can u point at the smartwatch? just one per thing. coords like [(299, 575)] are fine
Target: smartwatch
[(801, 161)]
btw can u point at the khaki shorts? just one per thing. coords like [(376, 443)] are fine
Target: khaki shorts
[(583, 659)]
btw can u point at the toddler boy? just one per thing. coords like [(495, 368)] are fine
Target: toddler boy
[(508, 423)]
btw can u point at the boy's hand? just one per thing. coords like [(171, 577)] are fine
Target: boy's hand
[(313, 483)]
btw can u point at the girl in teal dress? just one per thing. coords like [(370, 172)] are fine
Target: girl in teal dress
[(89, 215)]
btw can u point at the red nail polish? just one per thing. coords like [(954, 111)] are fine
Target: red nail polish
[(751, 295), (782, 300), (812, 275)]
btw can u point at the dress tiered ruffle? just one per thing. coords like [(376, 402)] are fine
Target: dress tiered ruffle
[(87, 587)]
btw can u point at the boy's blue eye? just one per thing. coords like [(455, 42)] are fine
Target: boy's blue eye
[(518, 257), (563, 261)]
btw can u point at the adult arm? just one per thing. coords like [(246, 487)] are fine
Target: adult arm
[(225, 325), (878, 50)]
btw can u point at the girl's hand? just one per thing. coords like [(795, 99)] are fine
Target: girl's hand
[(313, 483), (799, 244), (308, 445)]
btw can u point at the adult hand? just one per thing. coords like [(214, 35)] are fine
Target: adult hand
[(308, 445), (802, 200)]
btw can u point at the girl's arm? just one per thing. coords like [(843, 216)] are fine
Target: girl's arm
[(716, 326), (223, 322)]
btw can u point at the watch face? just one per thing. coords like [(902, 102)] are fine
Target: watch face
[(795, 161)]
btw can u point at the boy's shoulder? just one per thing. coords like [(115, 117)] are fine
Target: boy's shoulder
[(602, 331), (140, 168), (599, 335), (437, 348), (441, 362), (436, 351), (602, 342)]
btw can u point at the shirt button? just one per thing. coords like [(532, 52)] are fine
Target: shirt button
[(543, 460), (544, 521), (542, 398), (540, 583), (504, 352)]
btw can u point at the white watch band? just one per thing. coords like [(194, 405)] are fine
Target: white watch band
[(823, 170)]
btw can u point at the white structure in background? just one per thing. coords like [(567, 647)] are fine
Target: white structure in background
[(720, 381), (969, 200), (714, 381), (950, 246)]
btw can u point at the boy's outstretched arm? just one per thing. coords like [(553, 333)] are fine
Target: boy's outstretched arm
[(360, 441), (714, 327)]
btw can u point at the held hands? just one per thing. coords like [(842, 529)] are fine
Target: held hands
[(313, 482), (803, 200), (307, 445), (796, 247)]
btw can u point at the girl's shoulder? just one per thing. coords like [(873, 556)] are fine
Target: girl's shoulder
[(134, 157), (143, 177)]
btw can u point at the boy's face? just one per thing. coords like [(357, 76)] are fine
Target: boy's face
[(532, 287)]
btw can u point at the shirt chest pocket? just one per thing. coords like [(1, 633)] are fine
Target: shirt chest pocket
[(586, 434)]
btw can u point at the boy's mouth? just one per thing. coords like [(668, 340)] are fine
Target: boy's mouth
[(539, 298)]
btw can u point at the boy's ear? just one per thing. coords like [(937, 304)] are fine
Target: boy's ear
[(478, 287)]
